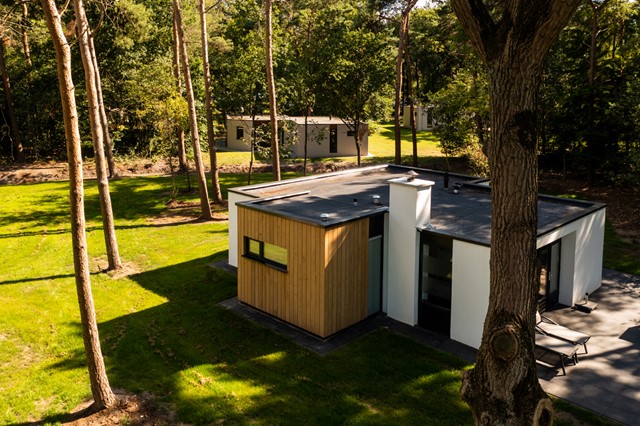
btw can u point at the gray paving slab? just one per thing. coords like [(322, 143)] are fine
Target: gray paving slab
[(607, 379)]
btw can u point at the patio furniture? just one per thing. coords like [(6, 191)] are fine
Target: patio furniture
[(561, 348), (549, 327)]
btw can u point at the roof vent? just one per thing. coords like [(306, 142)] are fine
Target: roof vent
[(411, 175), (376, 199), (324, 217)]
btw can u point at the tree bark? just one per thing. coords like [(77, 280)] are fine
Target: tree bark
[(182, 152), (271, 85), (503, 387), (404, 26), (102, 394), (108, 145), (16, 140), (24, 23), (412, 109), (215, 177), (97, 136), (193, 119)]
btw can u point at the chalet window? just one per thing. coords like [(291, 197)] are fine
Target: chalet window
[(269, 254), (239, 132), (350, 133)]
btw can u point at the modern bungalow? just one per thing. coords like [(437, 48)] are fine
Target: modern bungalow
[(327, 251), (326, 136)]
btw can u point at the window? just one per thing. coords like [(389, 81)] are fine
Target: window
[(350, 133), (239, 132), (269, 254)]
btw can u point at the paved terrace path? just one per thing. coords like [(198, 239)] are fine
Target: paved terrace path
[(607, 379)]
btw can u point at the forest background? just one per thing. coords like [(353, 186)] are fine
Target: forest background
[(327, 55)]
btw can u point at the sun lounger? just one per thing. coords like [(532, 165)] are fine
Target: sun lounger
[(549, 327), (563, 349)]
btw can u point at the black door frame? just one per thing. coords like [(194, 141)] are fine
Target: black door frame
[(434, 316)]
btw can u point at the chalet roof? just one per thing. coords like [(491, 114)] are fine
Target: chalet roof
[(298, 120), (348, 195)]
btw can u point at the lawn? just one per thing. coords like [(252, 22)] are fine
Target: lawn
[(162, 331)]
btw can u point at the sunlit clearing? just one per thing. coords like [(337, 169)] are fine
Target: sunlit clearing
[(271, 358), (211, 382)]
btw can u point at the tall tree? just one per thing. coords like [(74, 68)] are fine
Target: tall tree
[(97, 135), (402, 46), (356, 85), (103, 396), (24, 25), (271, 87), (412, 106), (104, 121), (193, 119), (16, 139), (182, 152), (512, 39), (215, 178)]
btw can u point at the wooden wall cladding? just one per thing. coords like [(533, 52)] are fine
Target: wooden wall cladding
[(346, 255), (325, 287)]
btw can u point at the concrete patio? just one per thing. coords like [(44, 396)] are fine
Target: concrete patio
[(607, 379)]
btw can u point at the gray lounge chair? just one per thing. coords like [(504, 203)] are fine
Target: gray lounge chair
[(549, 327), (561, 348)]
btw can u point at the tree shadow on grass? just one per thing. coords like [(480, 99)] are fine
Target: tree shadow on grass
[(214, 366), (133, 199)]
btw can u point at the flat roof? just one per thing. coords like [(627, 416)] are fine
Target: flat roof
[(313, 119), (348, 195)]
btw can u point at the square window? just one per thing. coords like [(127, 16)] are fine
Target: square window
[(253, 247), (275, 254)]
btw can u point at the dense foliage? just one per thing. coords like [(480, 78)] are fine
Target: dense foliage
[(333, 57)]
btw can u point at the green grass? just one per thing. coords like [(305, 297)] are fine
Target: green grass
[(382, 144), (620, 255), (162, 331)]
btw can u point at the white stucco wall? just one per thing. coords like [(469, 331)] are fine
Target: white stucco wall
[(234, 198), (238, 144), (409, 208), (581, 256), (346, 144), (469, 292)]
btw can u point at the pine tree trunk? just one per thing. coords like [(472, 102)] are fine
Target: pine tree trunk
[(215, 177), (271, 85), (193, 119), (97, 136), (18, 151), (102, 394), (412, 109), (108, 145), (404, 26), (503, 386), (182, 151), (24, 24)]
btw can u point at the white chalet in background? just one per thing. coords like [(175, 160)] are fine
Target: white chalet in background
[(327, 136)]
